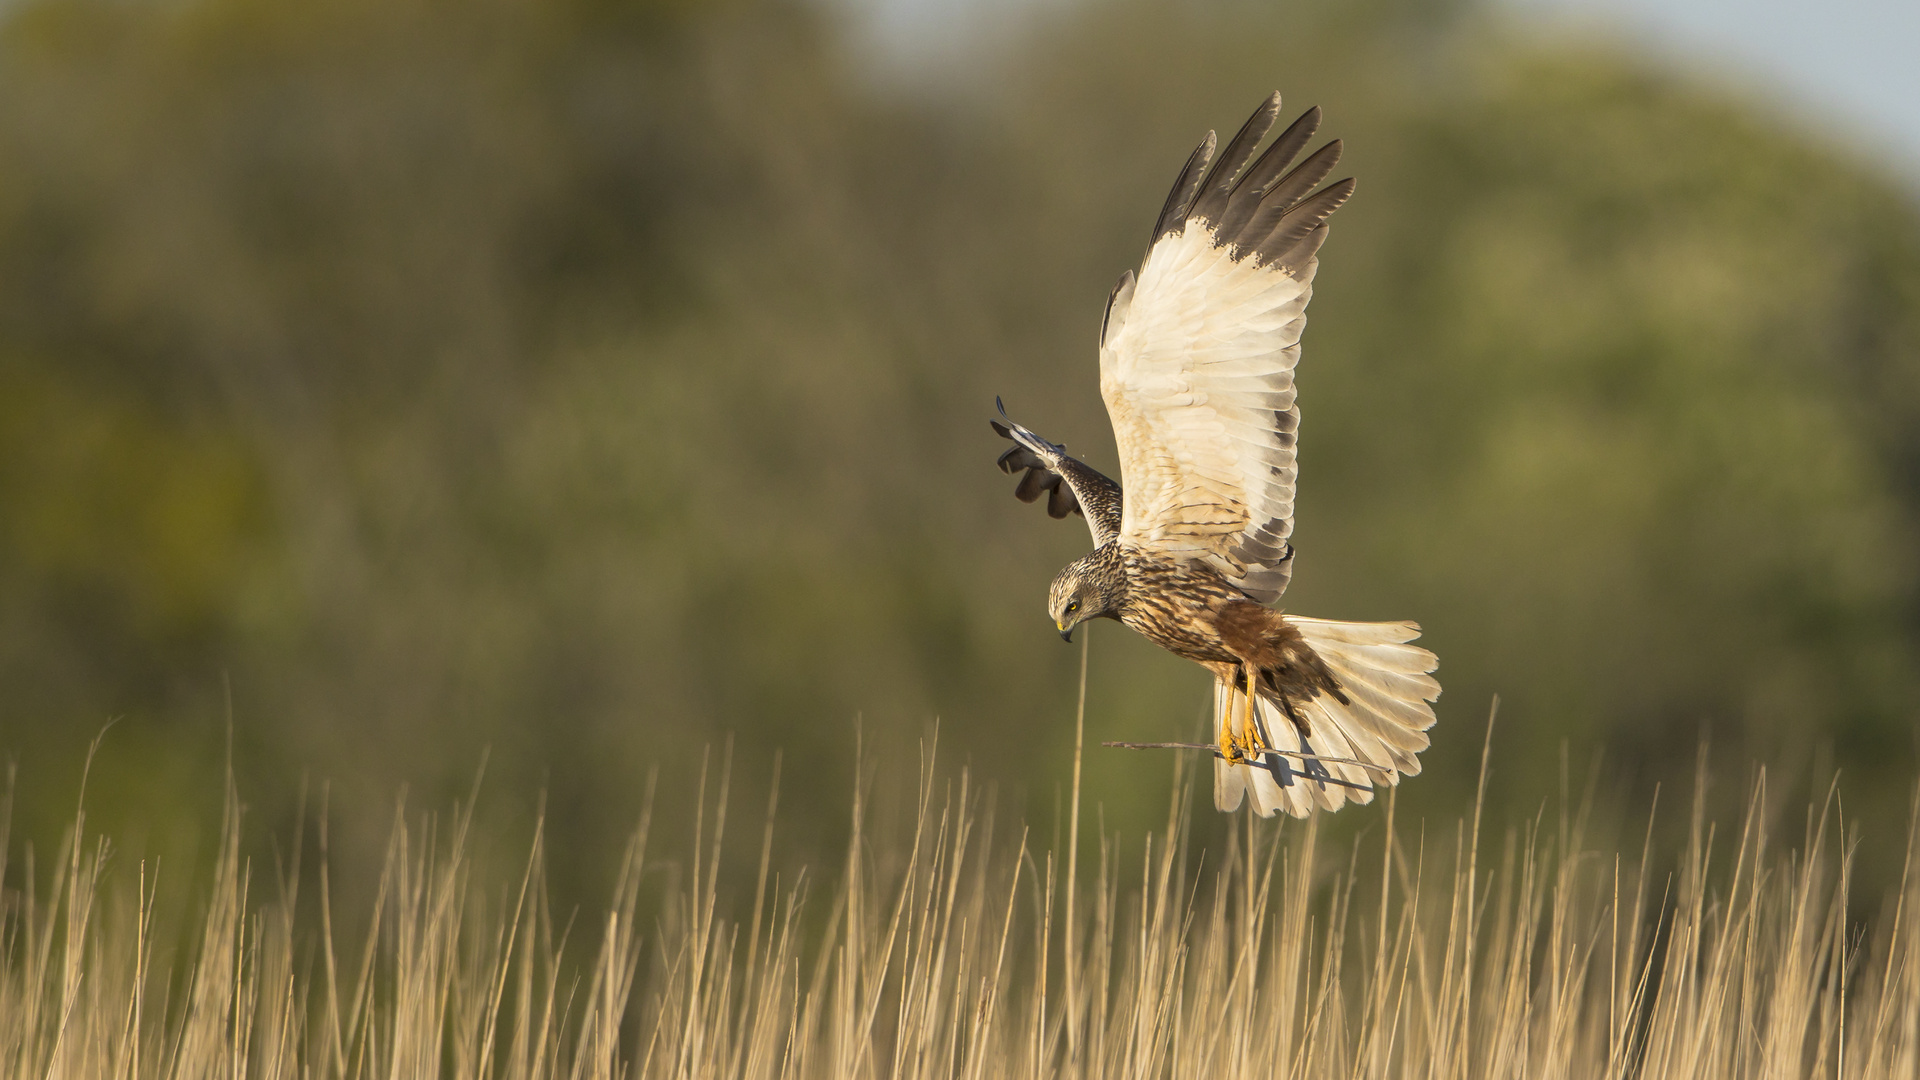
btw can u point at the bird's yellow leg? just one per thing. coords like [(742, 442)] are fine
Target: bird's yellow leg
[(1249, 731), (1229, 749)]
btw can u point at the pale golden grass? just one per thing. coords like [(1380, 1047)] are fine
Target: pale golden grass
[(951, 951)]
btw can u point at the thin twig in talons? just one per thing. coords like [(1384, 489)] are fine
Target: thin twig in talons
[(1382, 769)]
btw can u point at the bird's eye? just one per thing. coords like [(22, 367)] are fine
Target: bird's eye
[(1073, 606)]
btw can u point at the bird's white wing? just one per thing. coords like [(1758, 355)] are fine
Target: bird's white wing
[(1197, 355)]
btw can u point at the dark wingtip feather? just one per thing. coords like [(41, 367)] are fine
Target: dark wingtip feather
[(1301, 221), (1288, 211), (1061, 502), (1250, 191), (1304, 177), (1280, 154), (1174, 214), (1212, 201), (1303, 249), (1258, 206), (1035, 483)]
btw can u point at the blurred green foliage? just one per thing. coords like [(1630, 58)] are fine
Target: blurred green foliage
[(590, 380)]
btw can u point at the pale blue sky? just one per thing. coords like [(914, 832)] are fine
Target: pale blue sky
[(1851, 64), (1850, 68)]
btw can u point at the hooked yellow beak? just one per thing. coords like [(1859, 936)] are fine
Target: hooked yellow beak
[(1066, 632)]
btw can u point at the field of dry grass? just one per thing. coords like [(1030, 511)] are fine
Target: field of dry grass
[(962, 949)]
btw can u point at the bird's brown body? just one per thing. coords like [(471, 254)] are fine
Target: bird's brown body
[(1189, 610)]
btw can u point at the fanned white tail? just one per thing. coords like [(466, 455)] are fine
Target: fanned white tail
[(1384, 725)]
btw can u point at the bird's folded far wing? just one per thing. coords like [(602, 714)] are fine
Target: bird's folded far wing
[(1197, 354), (1071, 485)]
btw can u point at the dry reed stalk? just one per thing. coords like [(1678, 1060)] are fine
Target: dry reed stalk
[(1278, 959)]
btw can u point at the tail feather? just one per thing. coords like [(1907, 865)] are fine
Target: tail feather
[(1389, 689)]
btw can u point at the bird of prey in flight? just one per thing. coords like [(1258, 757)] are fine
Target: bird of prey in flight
[(1197, 353)]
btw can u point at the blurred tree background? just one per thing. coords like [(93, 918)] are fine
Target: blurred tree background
[(588, 380)]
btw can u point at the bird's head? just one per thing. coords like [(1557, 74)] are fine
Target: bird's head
[(1090, 587)]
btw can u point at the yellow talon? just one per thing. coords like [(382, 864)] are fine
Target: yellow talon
[(1249, 731), (1229, 749), (1245, 744)]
